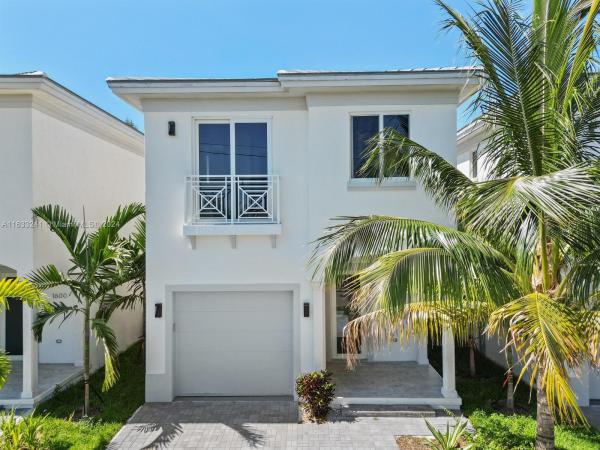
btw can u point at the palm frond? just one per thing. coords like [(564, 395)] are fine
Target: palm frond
[(5, 368), (587, 45), (511, 99), (23, 289), (395, 153), (509, 210), (380, 245), (591, 325), (61, 223), (48, 277), (105, 334), (582, 280), (373, 330), (109, 230), (105, 250), (57, 311), (549, 340)]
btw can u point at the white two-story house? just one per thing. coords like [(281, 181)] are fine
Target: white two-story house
[(241, 176), (56, 148)]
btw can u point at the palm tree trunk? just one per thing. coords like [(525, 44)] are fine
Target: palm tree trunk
[(472, 370), (510, 386), (86, 362), (545, 422)]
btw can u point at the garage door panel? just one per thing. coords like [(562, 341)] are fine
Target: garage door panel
[(228, 320), (248, 363), (233, 343), (260, 341), (231, 301)]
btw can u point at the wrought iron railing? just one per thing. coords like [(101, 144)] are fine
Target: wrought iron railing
[(227, 199)]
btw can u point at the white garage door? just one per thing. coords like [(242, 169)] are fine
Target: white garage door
[(233, 343)]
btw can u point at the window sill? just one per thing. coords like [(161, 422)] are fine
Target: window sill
[(375, 184), (254, 229)]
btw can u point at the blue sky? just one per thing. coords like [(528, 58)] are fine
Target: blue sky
[(81, 42)]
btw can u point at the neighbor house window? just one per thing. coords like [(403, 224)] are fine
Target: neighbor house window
[(365, 127), (475, 163)]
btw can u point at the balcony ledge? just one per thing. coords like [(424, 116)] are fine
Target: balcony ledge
[(243, 229)]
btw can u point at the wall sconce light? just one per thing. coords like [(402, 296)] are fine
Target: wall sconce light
[(306, 309), (171, 128)]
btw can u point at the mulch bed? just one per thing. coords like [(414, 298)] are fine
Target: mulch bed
[(411, 443), (416, 443)]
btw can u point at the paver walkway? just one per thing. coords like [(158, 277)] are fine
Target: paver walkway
[(219, 424)]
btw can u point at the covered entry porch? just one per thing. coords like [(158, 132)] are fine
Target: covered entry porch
[(396, 375), (392, 383), (29, 382), (50, 378)]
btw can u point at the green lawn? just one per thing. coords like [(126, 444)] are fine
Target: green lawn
[(117, 405), (483, 398)]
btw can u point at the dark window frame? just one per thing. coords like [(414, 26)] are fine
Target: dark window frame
[(381, 120), (231, 122)]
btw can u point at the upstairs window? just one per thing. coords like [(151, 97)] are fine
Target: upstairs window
[(365, 127), (232, 148)]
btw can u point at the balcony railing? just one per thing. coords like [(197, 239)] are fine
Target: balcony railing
[(226, 199)]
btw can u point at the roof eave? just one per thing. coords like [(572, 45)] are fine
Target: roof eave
[(39, 85)]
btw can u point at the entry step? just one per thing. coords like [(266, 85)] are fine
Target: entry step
[(388, 411)]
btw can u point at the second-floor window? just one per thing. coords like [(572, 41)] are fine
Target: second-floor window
[(365, 127), (232, 148)]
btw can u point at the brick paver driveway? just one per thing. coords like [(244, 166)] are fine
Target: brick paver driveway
[(246, 424)]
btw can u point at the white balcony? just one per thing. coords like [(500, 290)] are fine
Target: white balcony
[(232, 205)]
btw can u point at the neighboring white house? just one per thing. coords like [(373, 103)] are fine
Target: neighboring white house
[(241, 176), (56, 148), (471, 161)]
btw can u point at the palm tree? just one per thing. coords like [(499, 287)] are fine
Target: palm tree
[(136, 265), (526, 259), (97, 269), (27, 292)]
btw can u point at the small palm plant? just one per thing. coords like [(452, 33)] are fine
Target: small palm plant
[(98, 263), (28, 293), (451, 439)]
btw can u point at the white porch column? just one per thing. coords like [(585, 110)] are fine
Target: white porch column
[(448, 365), (422, 351), (318, 321), (30, 355)]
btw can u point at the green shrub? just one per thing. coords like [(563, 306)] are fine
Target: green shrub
[(316, 392), (22, 433)]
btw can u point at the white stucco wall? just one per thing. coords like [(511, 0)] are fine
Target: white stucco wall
[(79, 170), (310, 145), (16, 238)]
